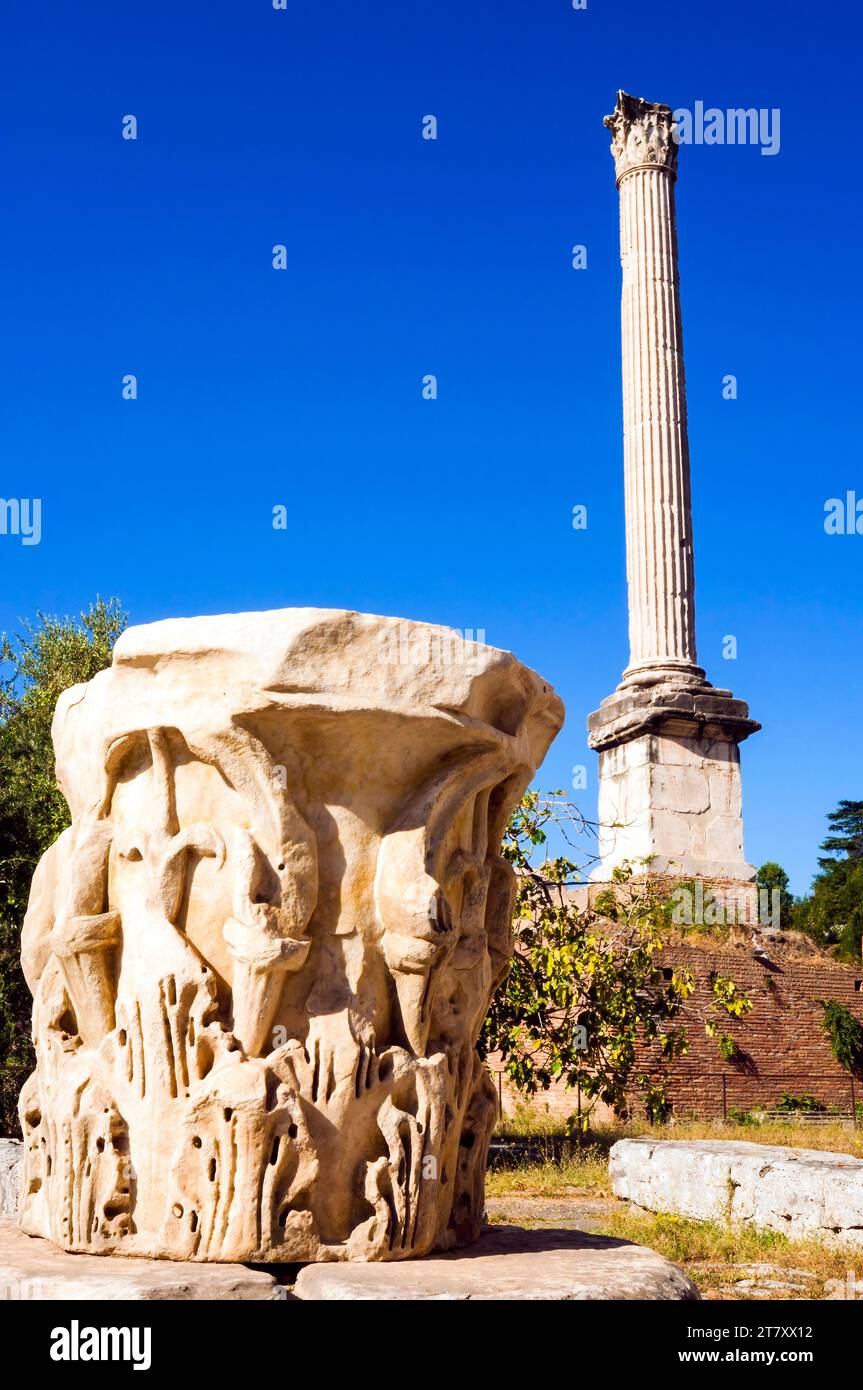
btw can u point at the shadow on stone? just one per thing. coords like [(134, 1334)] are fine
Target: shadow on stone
[(510, 1263)]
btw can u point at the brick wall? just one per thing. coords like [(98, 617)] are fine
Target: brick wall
[(782, 1041)]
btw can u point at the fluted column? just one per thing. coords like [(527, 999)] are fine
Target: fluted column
[(659, 558)]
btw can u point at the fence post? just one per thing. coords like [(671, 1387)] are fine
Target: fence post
[(724, 1099), (853, 1103)]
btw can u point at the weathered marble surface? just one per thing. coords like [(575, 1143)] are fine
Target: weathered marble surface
[(262, 953), (34, 1270), (509, 1263), (675, 799), (11, 1175), (800, 1192)]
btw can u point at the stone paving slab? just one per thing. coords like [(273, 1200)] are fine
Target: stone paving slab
[(575, 1212), (509, 1263), (31, 1268)]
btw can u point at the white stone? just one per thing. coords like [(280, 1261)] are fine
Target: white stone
[(11, 1174), (511, 1264), (725, 838), (685, 752), (675, 801), (262, 952), (32, 1269), (725, 797), (659, 562), (682, 789), (800, 1192)]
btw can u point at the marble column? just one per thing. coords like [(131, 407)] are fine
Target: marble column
[(660, 571), (668, 741)]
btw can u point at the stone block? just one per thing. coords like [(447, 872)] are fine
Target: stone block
[(678, 751), (800, 1192), (725, 792), (725, 839), (684, 790), (36, 1269), (512, 1264), (670, 834)]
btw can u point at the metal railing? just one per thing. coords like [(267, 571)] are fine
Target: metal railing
[(727, 1082)]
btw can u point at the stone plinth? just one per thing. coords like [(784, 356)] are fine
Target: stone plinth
[(509, 1263), (800, 1192), (37, 1270), (669, 781), (262, 953)]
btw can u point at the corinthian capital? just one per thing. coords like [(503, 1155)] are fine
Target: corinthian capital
[(641, 135)]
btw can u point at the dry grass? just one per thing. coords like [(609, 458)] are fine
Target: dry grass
[(704, 1247), (585, 1166), (794, 1133), (585, 1169), (791, 1133)]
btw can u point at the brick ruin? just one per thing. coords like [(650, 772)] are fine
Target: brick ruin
[(782, 1043)]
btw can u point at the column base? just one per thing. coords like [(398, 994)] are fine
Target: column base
[(681, 673)]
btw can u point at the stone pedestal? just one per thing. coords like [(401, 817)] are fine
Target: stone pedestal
[(669, 782), (262, 952), (668, 742)]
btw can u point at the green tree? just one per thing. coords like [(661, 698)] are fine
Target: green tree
[(845, 1033), (42, 660), (833, 914), (586, 987), (847, 824), (771, 877)]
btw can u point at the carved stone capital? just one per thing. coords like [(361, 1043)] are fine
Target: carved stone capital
[(261, 965), (642, 136)]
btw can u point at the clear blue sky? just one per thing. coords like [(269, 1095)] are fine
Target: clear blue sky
[(407, 257)]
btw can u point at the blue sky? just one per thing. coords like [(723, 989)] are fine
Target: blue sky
[(406, 257)]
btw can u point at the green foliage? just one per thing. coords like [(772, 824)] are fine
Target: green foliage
[(42, 660), (847, 824), (586, 987), (772, 876), (833, 914), (727, 1046), (808, 1104), (741, 1117), (845, 1033)]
